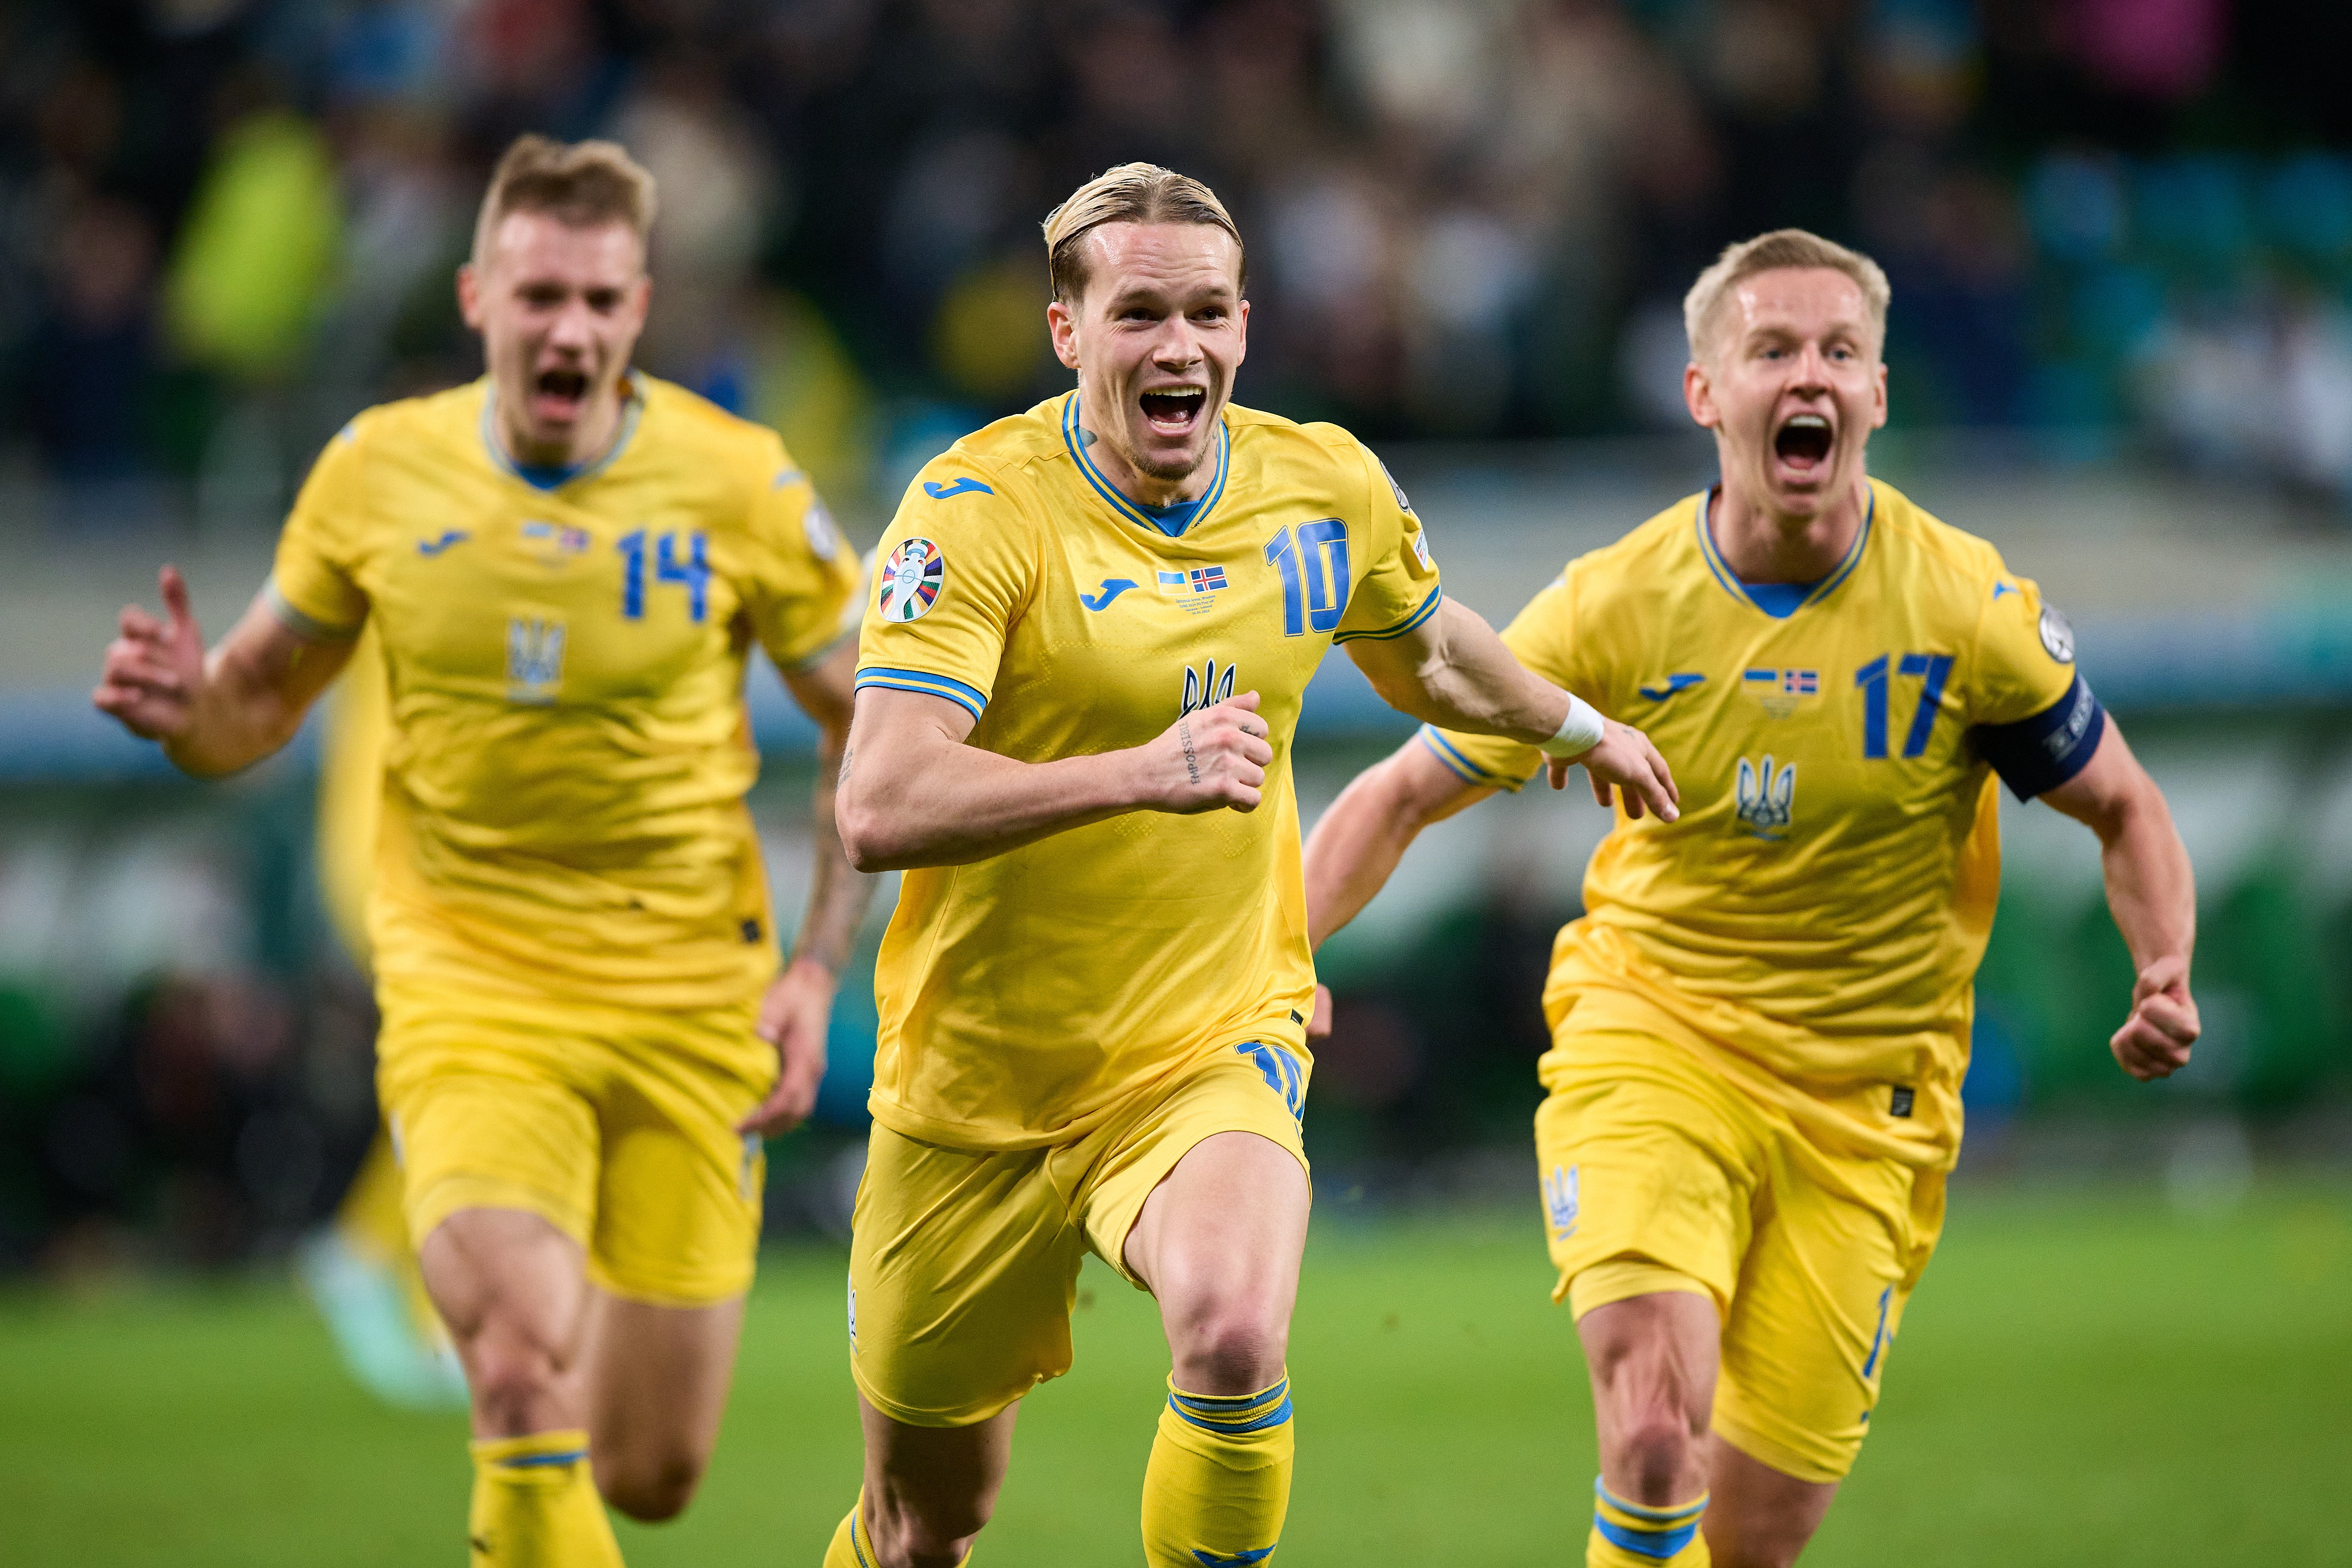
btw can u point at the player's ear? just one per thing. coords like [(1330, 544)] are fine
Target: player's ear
[(1063, 326), (469, 295), (1700, 397), (1878, 398)]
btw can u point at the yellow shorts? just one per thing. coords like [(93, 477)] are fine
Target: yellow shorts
[(616, 1125), (1659, 1174), (963, 1264)]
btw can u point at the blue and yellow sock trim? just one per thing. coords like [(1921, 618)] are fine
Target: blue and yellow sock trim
[(1658, 1533), (1232, 1415), (536, 1451)]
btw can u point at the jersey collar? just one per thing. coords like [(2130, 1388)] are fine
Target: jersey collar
[(632, 408), (1737, 590), (1173, 521)]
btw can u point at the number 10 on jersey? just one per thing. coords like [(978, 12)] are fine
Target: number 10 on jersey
[(1314, 568)]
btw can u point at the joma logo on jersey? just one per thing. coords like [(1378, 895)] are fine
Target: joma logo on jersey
[(1766, 800), (534, 658), (1206, 685)]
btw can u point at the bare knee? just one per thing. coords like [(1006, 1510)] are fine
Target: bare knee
[(1229, 1344), (936, 1533), (511, 1286), (1654, 1369), (650, 1488), (1658, 1449), (517, 1380)]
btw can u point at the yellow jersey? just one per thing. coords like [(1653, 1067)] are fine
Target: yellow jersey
[(1814, 919), (350, 792), (1025, 996), (563, 651)]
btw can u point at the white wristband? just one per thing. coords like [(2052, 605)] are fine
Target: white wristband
[(1579, 733)]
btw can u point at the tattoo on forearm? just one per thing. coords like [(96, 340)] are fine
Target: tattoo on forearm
[(843, 776), (1192, 758)]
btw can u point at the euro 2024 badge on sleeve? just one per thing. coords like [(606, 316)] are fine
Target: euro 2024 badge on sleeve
[(911, 579)]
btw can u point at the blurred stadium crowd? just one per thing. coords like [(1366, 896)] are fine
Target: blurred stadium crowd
[(224, 225), (227, 225)]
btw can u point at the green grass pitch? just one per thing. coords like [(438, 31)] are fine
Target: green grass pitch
[(2085, 1377)]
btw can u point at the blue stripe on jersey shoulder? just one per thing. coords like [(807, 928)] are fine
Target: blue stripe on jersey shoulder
[(969, 698), (1428, 608)]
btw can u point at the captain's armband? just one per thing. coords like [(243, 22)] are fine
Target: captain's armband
[(2035, 755)]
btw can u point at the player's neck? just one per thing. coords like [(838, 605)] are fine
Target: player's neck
[(1763, 544), (1143, 488), (591, 438)]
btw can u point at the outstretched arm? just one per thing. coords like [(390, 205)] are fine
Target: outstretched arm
[(1453, 671), (795, 1015), (1357, 844), (2152, 892), (219, 712), (912, 792)]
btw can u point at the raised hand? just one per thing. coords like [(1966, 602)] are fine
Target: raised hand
[(2154, 1041), (154, 668), (1212, 759), (1625, 759)]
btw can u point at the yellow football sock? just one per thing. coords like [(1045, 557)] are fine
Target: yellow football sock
[(1629, 1535), (1219, 1481), (535, 1505)]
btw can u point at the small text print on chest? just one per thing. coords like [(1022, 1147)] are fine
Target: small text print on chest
[(534, 658), (1205, 686), (554, 543), (1780, 690), (1195, 588), (677, 557)]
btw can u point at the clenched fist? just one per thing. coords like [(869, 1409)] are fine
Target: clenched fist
[(1212, 759)]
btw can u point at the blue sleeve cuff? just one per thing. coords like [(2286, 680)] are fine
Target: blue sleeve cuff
[(969, 698), (2034, 756), (1461, 767), (1428, 608)]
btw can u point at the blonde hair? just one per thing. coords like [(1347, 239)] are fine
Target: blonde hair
[(578, 184), (1773, 252), (1132, 192)]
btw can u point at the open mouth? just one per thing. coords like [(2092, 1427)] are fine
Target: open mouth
[(1174, 411), (1803, 443), (567, 387)]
